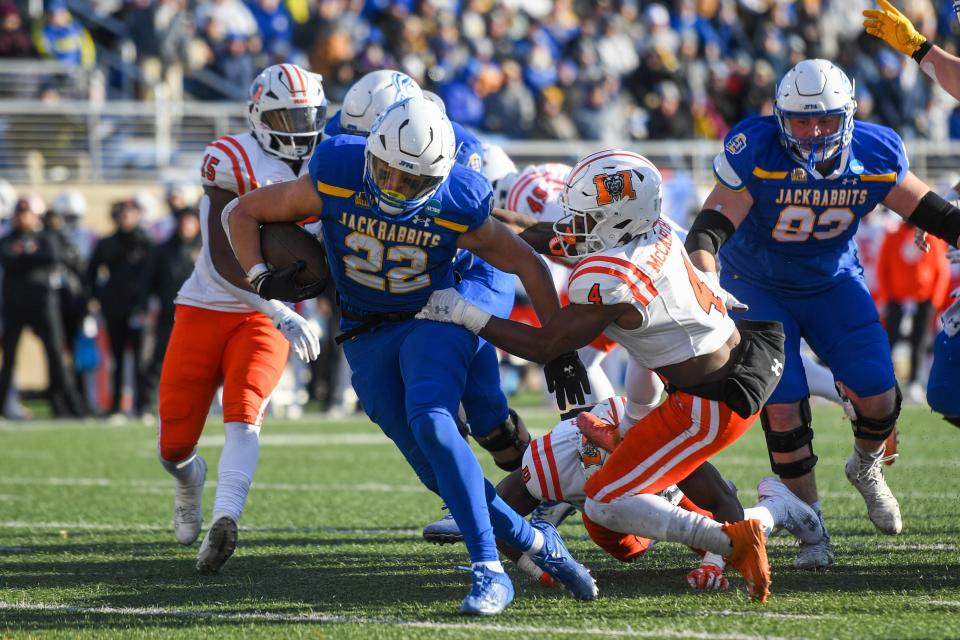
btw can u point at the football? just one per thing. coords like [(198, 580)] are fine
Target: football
[(283, 243)]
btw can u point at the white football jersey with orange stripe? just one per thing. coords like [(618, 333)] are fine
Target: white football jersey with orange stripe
[(683, 315), (557, 465), (236, 164), (536, 191)]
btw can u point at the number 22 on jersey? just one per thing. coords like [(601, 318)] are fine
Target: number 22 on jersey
[(404, 278)]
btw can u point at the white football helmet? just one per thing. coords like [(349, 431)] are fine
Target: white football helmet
[(815, 88), (496, 162), (502, 186), (371, 95), (69, 204), (410, 152), (286, 109), (610, 197)]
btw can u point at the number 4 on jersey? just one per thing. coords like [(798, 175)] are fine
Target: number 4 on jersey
[(594, 294), (705, 295)]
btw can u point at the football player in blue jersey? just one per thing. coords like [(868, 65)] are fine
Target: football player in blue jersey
[(492, 423), (395, 209), (791, 190), (895, 29)]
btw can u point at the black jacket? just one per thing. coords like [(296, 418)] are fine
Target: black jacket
[(29, 260), (118, 272)]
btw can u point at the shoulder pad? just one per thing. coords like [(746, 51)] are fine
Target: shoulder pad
[(881, 152), (733, 167), (466, 199), (609, 280), (227, 165), (336, 167)]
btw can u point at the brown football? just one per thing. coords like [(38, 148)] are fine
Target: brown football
[(283, 243)]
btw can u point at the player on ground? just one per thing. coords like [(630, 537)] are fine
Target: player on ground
[(636, 284), (895, 29), (224, 332), (395, 209), (793, 187), (557, 466)]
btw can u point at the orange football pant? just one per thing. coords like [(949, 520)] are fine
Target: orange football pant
[(243, 351), (666, 446)]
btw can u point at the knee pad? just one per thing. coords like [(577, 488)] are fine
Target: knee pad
[(507, 442), (878, 429), (790, 441)]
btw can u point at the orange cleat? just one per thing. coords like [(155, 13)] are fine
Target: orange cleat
[(890, 447), (599, 433), (749, 556)]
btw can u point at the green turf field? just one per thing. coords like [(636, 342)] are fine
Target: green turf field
[(330, 547)]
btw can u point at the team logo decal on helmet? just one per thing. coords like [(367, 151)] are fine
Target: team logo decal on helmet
[(615, 187)]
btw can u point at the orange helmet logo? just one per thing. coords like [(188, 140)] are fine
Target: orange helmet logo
[(611, 188)]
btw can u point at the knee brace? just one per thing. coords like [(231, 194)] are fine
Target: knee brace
[(878, 429), (790, 441), (507, 442)]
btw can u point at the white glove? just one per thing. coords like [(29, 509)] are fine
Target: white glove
[(951, 317), (953, 255), (447, 305), (729, 300), (297, 331), (920, 239)]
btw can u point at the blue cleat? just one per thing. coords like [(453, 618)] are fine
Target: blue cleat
[(491, 593), (555, 559)]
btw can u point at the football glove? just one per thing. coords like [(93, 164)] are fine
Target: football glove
[(920, 239), (447, 305), (953, 255), (893, 27), (296, 329), (567, 377), (708, 577), (282, 285), (951, 317)]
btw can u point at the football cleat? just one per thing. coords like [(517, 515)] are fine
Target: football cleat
[(443, 531), (555, 559), (801, 520), (490, 594), (749, 556), (865, 473), (188, 506), (218, 546), (553, 512), (816, 556), (708, 577)]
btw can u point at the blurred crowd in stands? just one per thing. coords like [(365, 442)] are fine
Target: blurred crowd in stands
[(103, 307), (553, 69)]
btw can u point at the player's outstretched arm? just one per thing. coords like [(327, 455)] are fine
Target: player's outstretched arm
[(539, 235), (916, 202), (494, 242), (280, 202), (894, 28), (722, 212)]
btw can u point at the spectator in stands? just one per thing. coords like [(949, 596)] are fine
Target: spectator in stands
[(273, 22), (15, 41), (117, 273), (59, 37), (908, 277), (171, 263), (511, 110), (30, 259)]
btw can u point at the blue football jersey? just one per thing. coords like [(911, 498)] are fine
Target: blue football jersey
[(380, 264), (798, 235)]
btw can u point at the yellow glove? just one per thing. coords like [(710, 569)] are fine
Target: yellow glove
[(894, 28)]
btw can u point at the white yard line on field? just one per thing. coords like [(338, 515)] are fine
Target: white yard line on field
[(104, 526), (323, 618)]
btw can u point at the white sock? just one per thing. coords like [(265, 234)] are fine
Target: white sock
[(238, 462), (868, 454), (537, 542), (185, 471), (493, 565), (651, 516), (767, 513)]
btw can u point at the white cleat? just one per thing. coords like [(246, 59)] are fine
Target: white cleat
[(801, 520), (866, 474), (188, 506), (813, 557), (218, 546)]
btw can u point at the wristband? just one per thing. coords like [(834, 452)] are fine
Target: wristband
[(923, 50), (257, 273)]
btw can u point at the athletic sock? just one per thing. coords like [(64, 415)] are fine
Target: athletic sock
[(184, 472), (768, 515), (238, 463), (492, 565)]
